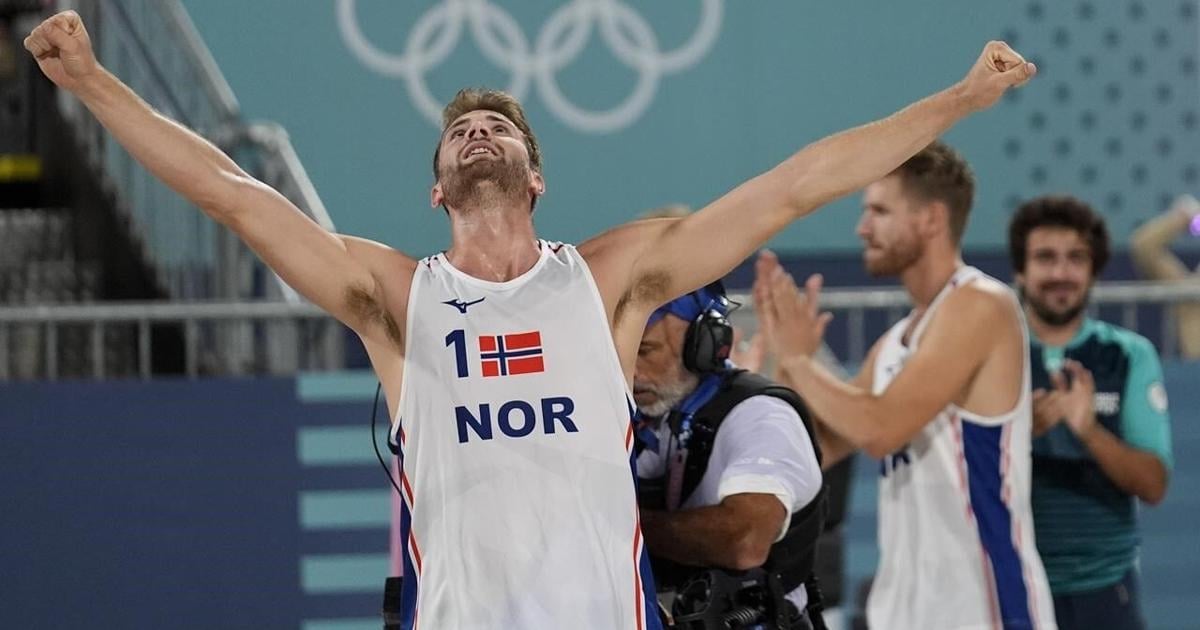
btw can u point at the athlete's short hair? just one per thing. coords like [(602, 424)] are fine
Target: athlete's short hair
[(939, 173)]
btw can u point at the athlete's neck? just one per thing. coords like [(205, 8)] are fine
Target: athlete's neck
[(495, 244), (1050, 334), (927, 277)]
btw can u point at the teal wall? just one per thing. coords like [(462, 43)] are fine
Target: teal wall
[(1112, 116)]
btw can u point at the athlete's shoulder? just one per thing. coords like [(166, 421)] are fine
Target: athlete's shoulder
[(625, 239), (612, 258), (984, 298), (382, 259), (990, 288)]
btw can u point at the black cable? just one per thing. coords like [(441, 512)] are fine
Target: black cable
[(375, 442)]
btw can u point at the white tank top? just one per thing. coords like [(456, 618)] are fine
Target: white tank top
[(955, 525), (515, 440)]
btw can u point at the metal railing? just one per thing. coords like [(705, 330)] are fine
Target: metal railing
[(865, 313), (308, 332), (153, 47), (32, 343)]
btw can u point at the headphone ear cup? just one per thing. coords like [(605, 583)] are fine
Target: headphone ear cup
[(707, 343), (722, 341), (691, 339)]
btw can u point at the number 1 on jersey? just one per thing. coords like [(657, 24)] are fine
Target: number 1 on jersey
[(458, 338)]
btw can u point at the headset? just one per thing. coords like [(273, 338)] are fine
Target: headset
[(709, 337)]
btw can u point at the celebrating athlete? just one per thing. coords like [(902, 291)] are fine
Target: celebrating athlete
[(507, 359), (943, 399)]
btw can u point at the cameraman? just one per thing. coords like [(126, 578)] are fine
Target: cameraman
[(729, 476)]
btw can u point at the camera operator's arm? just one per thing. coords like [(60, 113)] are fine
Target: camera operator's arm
[(735, 534), (764, 468)]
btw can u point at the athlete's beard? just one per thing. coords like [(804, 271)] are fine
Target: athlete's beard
[(483, 182), (899, 256), (669, 395), (1047, 313)]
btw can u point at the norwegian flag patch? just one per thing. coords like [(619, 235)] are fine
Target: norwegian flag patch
[(511, 354)]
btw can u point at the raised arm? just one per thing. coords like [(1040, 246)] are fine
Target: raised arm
[(975, 334), (771, 283), (972, 328), (690, 252), (834, 446), (1150, 243), (332, 271), (1151, 253)]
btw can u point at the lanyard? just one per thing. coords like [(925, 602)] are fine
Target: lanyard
[(676, 463)]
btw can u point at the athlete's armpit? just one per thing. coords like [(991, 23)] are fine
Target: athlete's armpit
[(367, 308), (376, 309), (611, 257)]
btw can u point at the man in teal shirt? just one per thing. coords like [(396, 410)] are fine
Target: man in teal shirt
[(1102, 433)]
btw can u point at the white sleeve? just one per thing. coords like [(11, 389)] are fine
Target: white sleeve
[(763, 447)]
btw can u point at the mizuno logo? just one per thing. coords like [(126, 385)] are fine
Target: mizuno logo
[(460, 305)]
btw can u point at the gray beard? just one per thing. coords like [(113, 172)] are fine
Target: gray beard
[(669, 396), (467, 187)]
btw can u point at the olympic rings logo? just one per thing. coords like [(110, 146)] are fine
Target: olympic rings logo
[(562, 38)]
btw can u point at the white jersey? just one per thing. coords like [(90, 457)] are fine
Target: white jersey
[(515, 436), (955, 525)]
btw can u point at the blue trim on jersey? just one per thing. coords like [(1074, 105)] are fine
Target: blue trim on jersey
[(408, 585), (981, 447), (649, 590)]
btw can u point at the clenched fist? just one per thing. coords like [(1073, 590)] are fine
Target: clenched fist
[(63, 50), (997, 69)]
